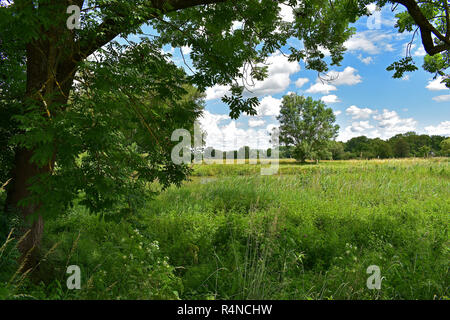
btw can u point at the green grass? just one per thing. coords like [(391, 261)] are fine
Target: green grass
[(309, 232)]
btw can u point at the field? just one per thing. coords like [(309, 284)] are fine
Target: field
[(309, 232)]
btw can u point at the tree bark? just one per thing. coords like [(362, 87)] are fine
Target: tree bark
[(23, 170), (50, 74)]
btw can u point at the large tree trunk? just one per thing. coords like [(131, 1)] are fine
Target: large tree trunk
[(50, 74), (24, 170)]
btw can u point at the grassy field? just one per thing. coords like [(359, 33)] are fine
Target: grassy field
[(309, 232)]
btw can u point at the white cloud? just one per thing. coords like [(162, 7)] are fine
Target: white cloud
[(406, 77), (442, 129), (347, 77), (337, 112), (359, 113), (420, 52), (237, 25), (301, 81), (386, 125), (186, 49), (360, 126), (391, 123), (320, 87), (442, 98), (332, 98), (256, 123), (279, 71), (436, 84), (286, 13), (370, 41), (269, 106), (224, 133), (356, 129), (367, 60), (216, 92)]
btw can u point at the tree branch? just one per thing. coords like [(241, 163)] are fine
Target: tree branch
[(426, 28), (111, 28)]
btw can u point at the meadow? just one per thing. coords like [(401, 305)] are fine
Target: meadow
[(308, 232)]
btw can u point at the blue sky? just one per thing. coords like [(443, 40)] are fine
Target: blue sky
[(364, 96)]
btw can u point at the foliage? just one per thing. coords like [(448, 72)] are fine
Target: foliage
[(431, 20), (308, 233), (114, 136)]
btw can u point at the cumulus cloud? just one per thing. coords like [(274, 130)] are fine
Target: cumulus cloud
[(420, 52), (255, 123), (356, 129), (225, 134), (186, 49), (286, 13), (391, 123), (216, 92), (332, 98), (269, 106), (442, 129), (337, 112), (359, 113), (347, 77), (384, 125), (279, 71), (442, 98), (360, 126), (367, 60), (436, 84), (300, 82)]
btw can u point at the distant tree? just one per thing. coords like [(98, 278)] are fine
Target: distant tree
[(359, 147), (337, 150), (306, 124), (381, 149), (430, 19), (436, 143), (424, 151), (401, 148), (445, 147)]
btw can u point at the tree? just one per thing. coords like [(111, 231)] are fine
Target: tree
[(424, 151), (337, 150), (307, 125), (381, 149), (432, 20), (445, 147), (360, 147), (401, 147)]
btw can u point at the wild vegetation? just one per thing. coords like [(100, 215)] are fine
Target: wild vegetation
[(309, 232), (86, 117)]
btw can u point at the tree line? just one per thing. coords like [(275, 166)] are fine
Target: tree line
[(404, 145)]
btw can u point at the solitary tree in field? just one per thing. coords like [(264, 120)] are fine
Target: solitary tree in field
[(306, 124), (55, 72)]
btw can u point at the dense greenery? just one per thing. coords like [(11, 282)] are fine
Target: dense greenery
[(85, 125), (404, 145), (307, 125), (309, 232)]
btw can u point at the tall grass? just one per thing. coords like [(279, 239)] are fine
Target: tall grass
[(309, 232)]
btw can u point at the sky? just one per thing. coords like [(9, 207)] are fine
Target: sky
[(364, 97)]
